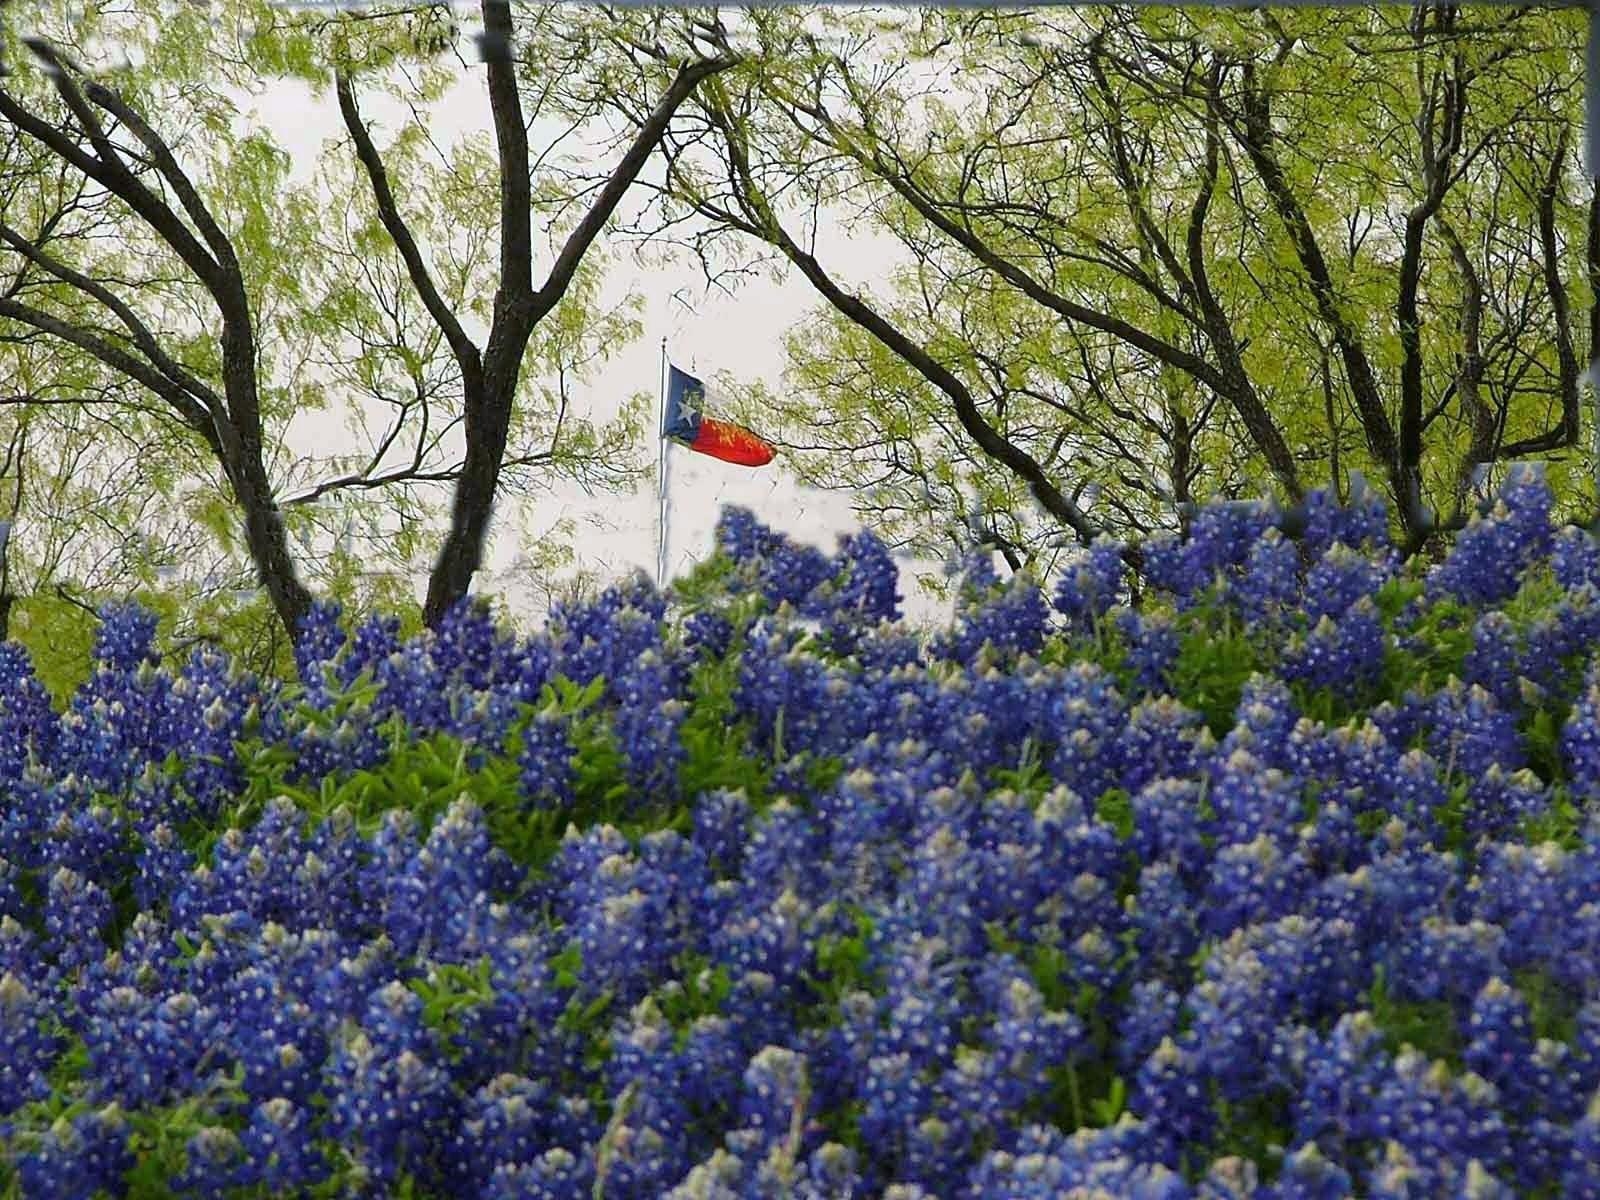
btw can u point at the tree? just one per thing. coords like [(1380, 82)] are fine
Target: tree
[(1161, 253), (213, 297)]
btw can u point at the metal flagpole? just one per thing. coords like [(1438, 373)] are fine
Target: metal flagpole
[(661, 480)]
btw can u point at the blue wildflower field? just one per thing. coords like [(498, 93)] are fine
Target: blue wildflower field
[(1281, 882)]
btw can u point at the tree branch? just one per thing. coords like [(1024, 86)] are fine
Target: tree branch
[(466, 353)]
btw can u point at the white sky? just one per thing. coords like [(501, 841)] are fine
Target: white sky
[(741, 335)]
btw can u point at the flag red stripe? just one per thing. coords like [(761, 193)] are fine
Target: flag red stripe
[(732, 443)]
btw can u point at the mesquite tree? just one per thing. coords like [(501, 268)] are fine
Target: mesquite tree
[(1148, 256), (222, 280)]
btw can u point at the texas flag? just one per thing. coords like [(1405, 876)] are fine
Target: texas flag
[(688, 425)]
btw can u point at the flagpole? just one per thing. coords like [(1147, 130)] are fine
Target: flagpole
[(661, 479)]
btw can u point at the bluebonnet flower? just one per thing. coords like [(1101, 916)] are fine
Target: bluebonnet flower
[(141, 1048), (125, 637), (1493, 660), (1575, 558), (1362, 523), (1487, 558), (1163, 914), (646, 723), (1438, 1118), (372, 642), (1045, 1163), (1581, 1179), (1580, 738), (277, 1040), (78, 1157), (76, 912), (1499, 801), (1167, 825), (1343, 655), (742, 537), (1471, 732), (1439, 960), (886, 648), (1248, 801), (1344, 1070), (721, 827), (472, 652), (1238, 1008), (1524, 893), (546, 759), (1555, 642), (707, 634), (1226, 943), (793, 574), (27, 723), (1009, 618), (280, 1150), (27, 1049), (896, 1100), (1152, 646), (1341, 577), (213, 772), (1252, 881), (777, 680), (1270, 581), (556, 1174), (1162, 739), (1308, 1175), (1170, 1092), (1090, 583), (1165, 568), (217, 1164), (1026, 1043), (1151, 1016), (775, 1091), (391, 1108), (870, 589), (1086, 712), (1221, 537), (600, 638), (410, 686), (616, 931), (318, 642), (1230, 1178), (1399, 723)]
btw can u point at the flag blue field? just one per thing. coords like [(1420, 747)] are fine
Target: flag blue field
[(685, 422)]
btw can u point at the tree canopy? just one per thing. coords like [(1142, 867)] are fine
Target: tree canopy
[(153, 246), (1158, 254)]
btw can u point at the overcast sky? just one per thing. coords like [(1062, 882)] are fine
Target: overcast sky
[(742, 335)]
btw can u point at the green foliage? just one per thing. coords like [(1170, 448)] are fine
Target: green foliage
[(1441, 639), (451, 989), (1426, 1026), (1561, 823), (1115, 808), (702, 993), (58, 637), (1028, 776), (714, 742), (1215, 659), (1540, 730), (841, 962), (425, 776)]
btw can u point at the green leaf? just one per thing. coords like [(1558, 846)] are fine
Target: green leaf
[(1108, 1109)]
